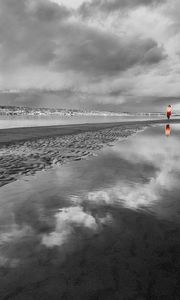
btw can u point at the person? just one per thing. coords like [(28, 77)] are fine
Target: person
[(169, 111)]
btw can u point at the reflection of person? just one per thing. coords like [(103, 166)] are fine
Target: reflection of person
[(167, 130), (169, 111)]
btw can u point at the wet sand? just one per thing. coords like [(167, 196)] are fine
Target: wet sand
[(32, 155), (12, 135), (24, 151)]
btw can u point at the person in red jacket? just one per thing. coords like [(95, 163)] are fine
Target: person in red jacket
[(169, 111)]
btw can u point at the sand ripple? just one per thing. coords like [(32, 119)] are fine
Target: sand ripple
[(25, 158)]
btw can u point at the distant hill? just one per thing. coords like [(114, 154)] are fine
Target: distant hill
[(18, 111)]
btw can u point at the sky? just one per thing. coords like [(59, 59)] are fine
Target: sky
[(98, 54)]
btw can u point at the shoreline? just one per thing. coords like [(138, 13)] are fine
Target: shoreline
[(10, 136)]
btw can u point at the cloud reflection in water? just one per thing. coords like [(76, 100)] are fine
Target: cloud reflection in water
[(108, 215), (66, 220)]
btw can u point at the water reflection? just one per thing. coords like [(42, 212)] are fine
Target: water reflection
[(167, 130), (106, 228)]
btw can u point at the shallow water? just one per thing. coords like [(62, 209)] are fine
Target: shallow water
[(104, 228)]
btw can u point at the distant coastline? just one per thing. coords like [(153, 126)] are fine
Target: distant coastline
[(30, 111), (35, 112)]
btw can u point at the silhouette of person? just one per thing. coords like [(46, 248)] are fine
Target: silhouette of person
[(169, 111), (167, 130)]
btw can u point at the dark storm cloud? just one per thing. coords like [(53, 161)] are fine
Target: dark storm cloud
[(109, 6), (99, 53), (39, 33), (48, 12), (28, 30), (154, 55)]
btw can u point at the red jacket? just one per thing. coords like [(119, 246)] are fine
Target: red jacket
[(169, 110)]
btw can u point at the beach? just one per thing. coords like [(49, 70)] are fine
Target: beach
[(100, 223), (89, 150)]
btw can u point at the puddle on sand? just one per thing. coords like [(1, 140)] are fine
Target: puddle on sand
[(105, 228)]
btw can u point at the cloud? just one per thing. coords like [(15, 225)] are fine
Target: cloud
[(13, 234), (11, 263), (28, 30), (100, 63), (66, 220), (69, 3), (104, 54), (40, 34), (109, 6)]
